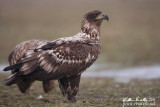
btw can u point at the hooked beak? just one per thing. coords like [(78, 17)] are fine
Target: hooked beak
[(105, 17), (102, 16)]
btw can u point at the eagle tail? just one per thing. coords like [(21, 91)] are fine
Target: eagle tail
[(12, 79), (12, 67)]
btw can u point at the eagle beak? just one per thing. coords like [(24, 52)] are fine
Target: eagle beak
[(104, 16)]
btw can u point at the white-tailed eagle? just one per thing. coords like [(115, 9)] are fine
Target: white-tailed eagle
[(63, 59)]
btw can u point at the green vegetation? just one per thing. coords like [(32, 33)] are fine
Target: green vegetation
[(130, 37), (94, 92)]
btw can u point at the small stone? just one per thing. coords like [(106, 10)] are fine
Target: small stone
[(40, 97)]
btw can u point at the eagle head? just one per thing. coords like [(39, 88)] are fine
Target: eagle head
[(96, 16), (91, 23)]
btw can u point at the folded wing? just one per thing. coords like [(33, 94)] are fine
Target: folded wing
[(60, 57)]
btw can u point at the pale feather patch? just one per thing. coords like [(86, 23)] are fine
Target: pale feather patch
[(69, 61), (76, 61), (93, 57), (57, 54), (67, 49), (55, 69), (87, 25), (24, 67), (48, 68), (29, 54), (88, 58), (41, 58), (50, 51), (88, 36), (64, 61), (59, 42), (42, 63), (98, 37), (73, 61), (45, 66)]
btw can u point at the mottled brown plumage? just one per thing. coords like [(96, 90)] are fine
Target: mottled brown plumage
[(17, 54), (63, 59)]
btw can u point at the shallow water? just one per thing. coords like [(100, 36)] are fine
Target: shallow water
[(125, 75), (120, 75)]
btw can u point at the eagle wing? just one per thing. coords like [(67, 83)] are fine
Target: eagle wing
[(21, 49), (62, 57)]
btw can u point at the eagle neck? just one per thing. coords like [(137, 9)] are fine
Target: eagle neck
[(91, 30)]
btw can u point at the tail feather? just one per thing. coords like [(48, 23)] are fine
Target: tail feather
[(12, 79), (11, 67)]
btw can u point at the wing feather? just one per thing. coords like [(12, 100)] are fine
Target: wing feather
[(68, 59), (63, 57), (21, 49)]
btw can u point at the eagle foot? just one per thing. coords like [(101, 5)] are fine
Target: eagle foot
[(72, 99)]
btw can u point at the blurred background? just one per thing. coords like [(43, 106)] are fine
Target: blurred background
[(130, 38)]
